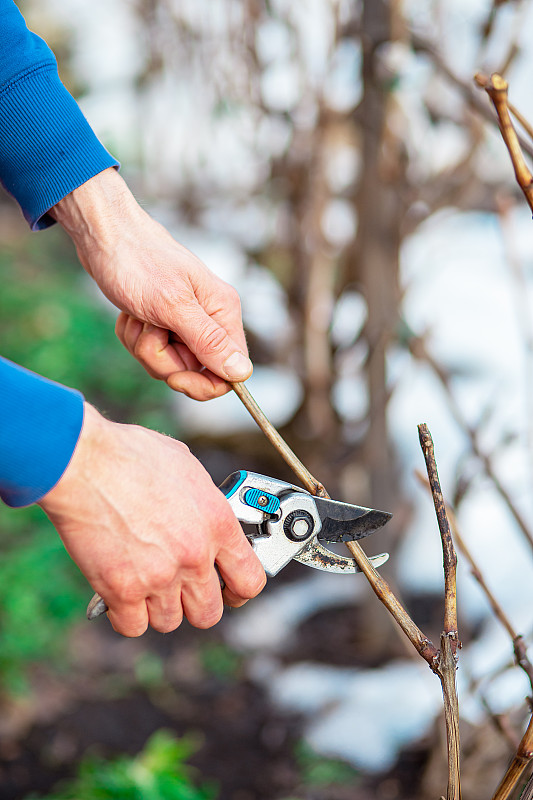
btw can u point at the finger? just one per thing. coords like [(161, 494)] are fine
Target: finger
[(120, 324), (129, 619), (198, 385), (240, 569), (165, 611), (232, 600), (132, 330), (160, 358), (212, 346), (230, 319), (202, 601)]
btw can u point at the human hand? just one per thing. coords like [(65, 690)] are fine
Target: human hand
[(145, 524), (181, 321)]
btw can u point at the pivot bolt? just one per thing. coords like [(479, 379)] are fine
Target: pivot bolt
[(263, 500), (298, 525)]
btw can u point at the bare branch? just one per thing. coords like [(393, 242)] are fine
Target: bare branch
[(445, 663), (523, 757), (311, 484), (421, 643), (467, 91), (442, 662), (446, 669), (496, 87), (448, 552), (519, 644)]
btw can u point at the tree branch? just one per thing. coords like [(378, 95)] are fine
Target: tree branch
[(523, 757), (446, 662), (421, 643), (496, 88), (442, 662)]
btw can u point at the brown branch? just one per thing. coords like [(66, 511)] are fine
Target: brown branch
[(496, 87), (383, 592), (448, 552), (519, 644), (446, 669), (446, 664), (309, 482), (522, 759), (442, 662), (468, 92), (421, 643)]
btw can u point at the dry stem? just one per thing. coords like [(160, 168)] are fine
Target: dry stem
[(446, 665), (422, 644), (496, 87), (442, 662), (519, 645), (523, 757), (448, 552)]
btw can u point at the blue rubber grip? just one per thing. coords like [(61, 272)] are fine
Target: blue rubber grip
[(251, 498)]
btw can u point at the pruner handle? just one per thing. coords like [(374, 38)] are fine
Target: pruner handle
[(96, 607)]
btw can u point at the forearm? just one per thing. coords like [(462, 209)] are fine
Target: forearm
[(40, 423)]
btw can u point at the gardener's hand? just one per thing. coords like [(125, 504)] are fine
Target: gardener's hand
[(145, 524), (160, 286)]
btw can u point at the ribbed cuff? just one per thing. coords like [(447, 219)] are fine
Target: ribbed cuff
[(40, 423), (47, 147)]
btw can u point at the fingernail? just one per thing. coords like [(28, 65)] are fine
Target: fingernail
[(237, 366)]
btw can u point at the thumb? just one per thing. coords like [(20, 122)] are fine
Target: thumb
[(213, 346)]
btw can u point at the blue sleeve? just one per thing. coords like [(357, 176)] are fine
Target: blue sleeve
[(47, 148), (40, 423)]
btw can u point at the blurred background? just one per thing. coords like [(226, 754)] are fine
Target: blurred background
[(335, 162)]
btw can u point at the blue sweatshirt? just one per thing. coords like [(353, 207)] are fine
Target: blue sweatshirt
[(47, 149)]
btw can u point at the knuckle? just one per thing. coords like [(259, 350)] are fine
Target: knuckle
[(208, 617), (163, 577), (197, 556), (130, 630), (123, 585), (211, 339), (167, 625)]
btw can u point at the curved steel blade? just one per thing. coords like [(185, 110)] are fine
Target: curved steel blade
[(343, 522), (317, 556)]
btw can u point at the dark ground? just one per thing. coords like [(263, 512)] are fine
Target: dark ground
[(119, 692)]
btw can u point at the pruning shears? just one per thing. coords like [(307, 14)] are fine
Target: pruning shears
[(283, 523)]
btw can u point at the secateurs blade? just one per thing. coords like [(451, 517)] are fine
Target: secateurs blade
[(283, 523), (289, 523)]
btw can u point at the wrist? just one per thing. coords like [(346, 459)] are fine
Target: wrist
[(92, 213), (77, 474)]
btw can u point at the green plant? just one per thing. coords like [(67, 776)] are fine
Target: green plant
[(52, 322), (316, 771), (159, 772), (220, 660), (41, 595)]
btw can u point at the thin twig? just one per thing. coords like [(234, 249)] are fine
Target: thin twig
[(309, 482), (442, 662), (422, 644), (446, 663), (467, 90), (496, 87), (522, 759), (448, 552), (519, 644)]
